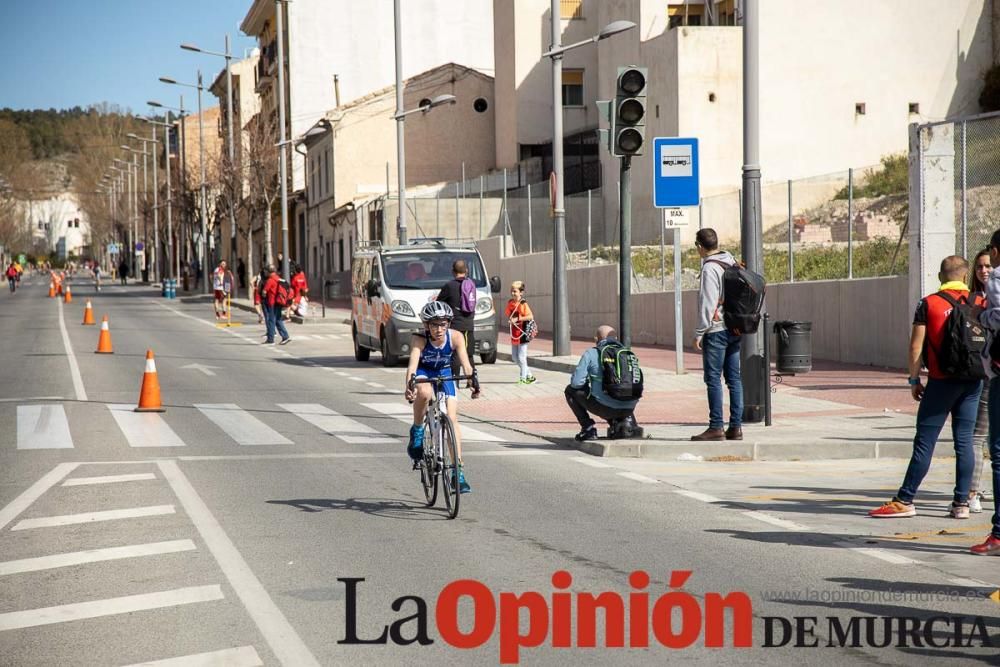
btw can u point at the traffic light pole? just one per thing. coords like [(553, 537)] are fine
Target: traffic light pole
[(754, 373), (560, 299), (625, 250)]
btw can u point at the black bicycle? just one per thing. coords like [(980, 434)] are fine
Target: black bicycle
[(440, 461)]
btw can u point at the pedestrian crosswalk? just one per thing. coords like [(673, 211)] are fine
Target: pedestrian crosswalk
[(47, 426)]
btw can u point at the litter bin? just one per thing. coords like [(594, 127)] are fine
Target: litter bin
[(794, 347)]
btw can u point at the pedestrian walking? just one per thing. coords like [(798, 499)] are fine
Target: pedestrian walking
[(941, 339), (241, 273), (588, 392), (991, 319), (300, 288), (256, 285), (222, 284), (123, 272), (720, 349), (460, 295), (520, 320), (11, 278), (277, 295), (981, 269)]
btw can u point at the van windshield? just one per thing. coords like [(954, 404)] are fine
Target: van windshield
[(430, 270)]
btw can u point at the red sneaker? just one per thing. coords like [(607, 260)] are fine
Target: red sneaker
[(894, 510), (991, 547)]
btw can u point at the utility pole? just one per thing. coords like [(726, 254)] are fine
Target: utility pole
[(625, 250)]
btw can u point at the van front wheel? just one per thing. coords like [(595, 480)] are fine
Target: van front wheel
[(489, 357), (388, 359)]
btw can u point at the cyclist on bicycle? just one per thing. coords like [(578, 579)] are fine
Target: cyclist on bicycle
[(430, 357)]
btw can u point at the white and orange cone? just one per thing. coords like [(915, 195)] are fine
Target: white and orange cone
[(104, 340), (52, 289), (149, 394), (69, 295), (88, 314)]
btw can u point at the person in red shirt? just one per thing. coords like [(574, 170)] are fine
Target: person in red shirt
[(518, 315), (273, 313), (300, 287), (944, 395)]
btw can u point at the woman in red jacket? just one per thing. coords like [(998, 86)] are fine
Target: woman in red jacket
[(300, 287)]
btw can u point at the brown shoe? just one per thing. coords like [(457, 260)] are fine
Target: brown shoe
[(734, 433), (710, 434)]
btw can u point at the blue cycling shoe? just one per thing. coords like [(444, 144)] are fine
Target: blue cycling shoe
[(463, 486), (415, 448)]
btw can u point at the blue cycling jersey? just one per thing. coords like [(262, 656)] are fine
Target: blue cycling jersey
[(436, 358)]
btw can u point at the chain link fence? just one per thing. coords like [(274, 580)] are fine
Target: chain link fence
[(977, 182)]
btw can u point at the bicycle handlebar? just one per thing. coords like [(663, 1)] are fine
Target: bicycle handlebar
[(474, 378)]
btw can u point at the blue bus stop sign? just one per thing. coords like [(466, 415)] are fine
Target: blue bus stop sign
[(675, 175)]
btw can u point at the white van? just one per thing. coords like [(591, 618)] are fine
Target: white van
[(389, 286)]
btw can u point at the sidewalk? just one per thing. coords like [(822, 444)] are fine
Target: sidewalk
[(837, 411)]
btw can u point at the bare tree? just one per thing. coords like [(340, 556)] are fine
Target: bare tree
[(16, 179), (260, 156)]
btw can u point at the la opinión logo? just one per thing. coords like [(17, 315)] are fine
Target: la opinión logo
[(637, 615)]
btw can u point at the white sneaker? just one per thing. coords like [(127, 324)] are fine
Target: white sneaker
[(975, 504)]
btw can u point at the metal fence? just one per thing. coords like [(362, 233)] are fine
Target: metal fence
[(977, 181)]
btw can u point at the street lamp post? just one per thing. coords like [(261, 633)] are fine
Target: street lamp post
[(282, 148), (135, 156), (229, 126), (560, 300), (127, 174), (156, 205), (203, 193), (170, 227)]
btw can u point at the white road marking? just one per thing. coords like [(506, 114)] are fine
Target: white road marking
[(31, 398), (336, 424), (240, 425), (355, 378), (94, 556), (108, 479), (389, 370), (704, 497), (590, 462), (284, 457), (638, 478), (506, 452), (43, 427), (881, 554), (342, 373), (90, 517), (207, 370), (971, 583), (108, 607), (144, 429), (34, 492), (404, 413), (775, 521), (74, 368), (241, 656), (375, 384), (288, 647)]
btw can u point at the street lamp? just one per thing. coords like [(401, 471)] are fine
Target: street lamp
[(560, 301), (176, 268), (201, 160), (170, 227), (229, 125), (130, 230), (156, 187)]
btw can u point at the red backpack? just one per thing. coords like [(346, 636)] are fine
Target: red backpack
[(283, 293)]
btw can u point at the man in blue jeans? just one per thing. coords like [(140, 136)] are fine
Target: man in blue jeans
[(720, 350), (991, 319), (946, 393)]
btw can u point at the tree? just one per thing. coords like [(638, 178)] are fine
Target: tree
[(17, 178), (261, 159)]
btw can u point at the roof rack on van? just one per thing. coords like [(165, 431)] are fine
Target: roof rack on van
[(443, 242)]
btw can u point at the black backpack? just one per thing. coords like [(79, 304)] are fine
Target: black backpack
[(742, 298), (962, 340), (621, 375)]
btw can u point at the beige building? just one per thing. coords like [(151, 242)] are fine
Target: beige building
[(350, 156), (840, 81)]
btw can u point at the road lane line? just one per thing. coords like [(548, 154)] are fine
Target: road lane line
[(90, 517), (74, 368), (31, 398), (375, 384), (240, 425), (34, 492), (703, 497), (94, 556), (775, 521), (286, 644), (505, 452), (971, 583), (109, 607), (335, 424), (355, 378), (241, 656), (588, 462), (404, 413), (638, 478), (881, 554), (108, 479), (342, 373), (43, 427), (144, 429)]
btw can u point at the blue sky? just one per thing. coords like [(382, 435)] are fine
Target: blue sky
[(64, 53)]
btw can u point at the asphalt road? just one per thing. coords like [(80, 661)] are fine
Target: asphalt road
[(223, 529)]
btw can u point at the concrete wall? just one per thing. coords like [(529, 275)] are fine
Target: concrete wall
[(865, 321)]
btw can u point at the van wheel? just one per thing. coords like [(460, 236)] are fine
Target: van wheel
[(489, 357), (360, 353), (388, 359)]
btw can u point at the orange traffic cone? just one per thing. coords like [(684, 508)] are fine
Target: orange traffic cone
[(88, 314), (52, 290), (104, 342), (149, 395), (69, 295), (59, 289)]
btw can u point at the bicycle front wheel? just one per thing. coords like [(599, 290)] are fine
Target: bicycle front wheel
[(428, 472), (449, 467)]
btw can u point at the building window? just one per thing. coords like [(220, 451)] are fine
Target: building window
[(572, 87), (570, 9), (340, 254), (914, 107), (684, 14), (326, 173), (859, 109)]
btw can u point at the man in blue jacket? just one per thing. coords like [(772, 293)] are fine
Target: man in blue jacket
[(585, 396)]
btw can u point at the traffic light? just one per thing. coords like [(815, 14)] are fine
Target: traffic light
[(627, 131)]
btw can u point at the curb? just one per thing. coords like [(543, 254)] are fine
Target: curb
[(545, 363), (751, 451), (295, 318)]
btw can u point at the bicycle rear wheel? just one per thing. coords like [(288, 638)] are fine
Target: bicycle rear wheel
[(428, 472), (449, 467)]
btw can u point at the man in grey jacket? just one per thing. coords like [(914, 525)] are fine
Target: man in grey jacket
[(720, 349), (585, 395)]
